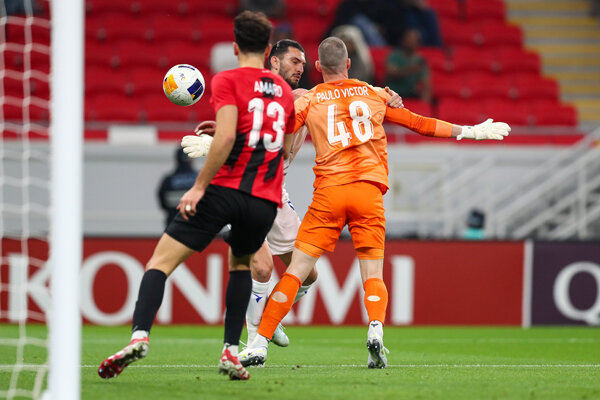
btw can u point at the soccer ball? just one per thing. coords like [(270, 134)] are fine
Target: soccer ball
[(184, 85)]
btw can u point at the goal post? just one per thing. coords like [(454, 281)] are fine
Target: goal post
[(66, 144)]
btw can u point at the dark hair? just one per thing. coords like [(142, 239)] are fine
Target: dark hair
[(252, 31), (281, 47)]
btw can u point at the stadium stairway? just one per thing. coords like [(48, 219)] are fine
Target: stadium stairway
[(567, 37)]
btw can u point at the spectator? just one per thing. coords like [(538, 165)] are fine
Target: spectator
[(175, 184), (361, 66), (367, 15), (407, 72), (418, 15), (475, 225), (271, 8)]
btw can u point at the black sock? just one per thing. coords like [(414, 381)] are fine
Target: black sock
[(239, 289), (152, 289)]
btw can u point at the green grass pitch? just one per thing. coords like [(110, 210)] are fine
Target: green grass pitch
[(330, 363)]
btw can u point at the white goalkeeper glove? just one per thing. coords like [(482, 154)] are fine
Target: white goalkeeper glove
[(486, 130), (196, 146)]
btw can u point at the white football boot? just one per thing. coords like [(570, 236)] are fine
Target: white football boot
[(377, 351), (279, 337), (253, 357)]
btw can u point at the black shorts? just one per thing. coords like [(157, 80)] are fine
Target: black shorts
[(250, 219)]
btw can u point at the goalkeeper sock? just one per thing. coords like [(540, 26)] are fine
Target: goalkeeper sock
[(276, 309), (256, 306), (302, 292), (150, 297), (237, 295), (376, 299)]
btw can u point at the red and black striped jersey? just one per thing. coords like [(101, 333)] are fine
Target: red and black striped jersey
[(265, 107)]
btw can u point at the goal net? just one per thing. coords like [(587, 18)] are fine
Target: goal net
[(38, 305)]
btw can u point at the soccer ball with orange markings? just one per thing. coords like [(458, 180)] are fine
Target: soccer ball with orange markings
[(184, 85)]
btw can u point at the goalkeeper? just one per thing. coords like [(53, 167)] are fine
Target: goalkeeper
[(288, 60)]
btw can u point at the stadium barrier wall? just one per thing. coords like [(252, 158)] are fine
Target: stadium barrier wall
[(429, 283)]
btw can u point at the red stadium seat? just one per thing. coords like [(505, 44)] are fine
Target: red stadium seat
[(98, 7), (115, 28), (309, 29), (488, 86), (514, 113), (501, 35), (146, 81), (159, 108), (131, 53), (112, 107), (215, 29), (98, 54), (187, 53), (540, 88), (460, 112), (160, 8), (100, 81), (436, 58), (518, 60), (490, 10), (450, 86), (379, 56), (560, 115), (418, 107), (223, 8), (308, 8), (456, 33), (469, 59), (445, 9), (174, 29), (17, 30)]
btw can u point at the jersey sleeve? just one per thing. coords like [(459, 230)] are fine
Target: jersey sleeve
[(223, 92), (301, 105), (423, 125)]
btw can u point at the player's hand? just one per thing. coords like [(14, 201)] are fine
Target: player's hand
[(206, 127), (196, 146), (298, 92), (395, 101), (189, 202), (486, 130)]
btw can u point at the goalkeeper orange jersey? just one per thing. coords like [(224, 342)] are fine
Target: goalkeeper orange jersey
[(345, 120)]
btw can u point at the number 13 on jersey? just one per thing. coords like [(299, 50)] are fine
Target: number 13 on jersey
[(360, 113)]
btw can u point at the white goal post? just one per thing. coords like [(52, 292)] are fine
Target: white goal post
[(66, 140)]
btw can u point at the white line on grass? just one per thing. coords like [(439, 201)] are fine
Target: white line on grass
[(346, 340), (364, 366)]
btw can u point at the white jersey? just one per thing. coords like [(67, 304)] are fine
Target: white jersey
[(282, 236)]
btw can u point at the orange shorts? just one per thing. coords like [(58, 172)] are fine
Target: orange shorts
[(358, 205)]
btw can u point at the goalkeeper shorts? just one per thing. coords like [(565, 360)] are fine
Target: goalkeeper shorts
[(250, 218)]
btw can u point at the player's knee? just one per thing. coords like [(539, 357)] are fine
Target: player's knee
[(279, 297), (260, 272)]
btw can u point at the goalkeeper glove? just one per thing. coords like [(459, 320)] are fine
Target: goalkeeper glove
[(196, 146), (485, 130)]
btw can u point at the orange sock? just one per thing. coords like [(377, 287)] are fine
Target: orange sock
[(376, 299), (275, 310)]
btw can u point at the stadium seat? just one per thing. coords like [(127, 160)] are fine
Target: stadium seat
[(500, 35), (489, 86), (418, 107), (469, 59), (309, 29), (158, 8), (98, 54), (14, 111), (38, 61), (99, 81), (445, 9), (175, 29), (518, 60), (308, 8), (112, 107), (218, 8), (436, 58), (484, 11), (185, 53), (457, 33), (540, 88), (215, 29), (450, 86), (18, 29), (146, 81), (460, 112), (132, 53), (560, 115), (514, 113), (159, 108), (96, 8), (379, 56), (117, 28)]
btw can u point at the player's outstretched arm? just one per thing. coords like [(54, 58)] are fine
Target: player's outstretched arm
[(486, 130), (198, 146)]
